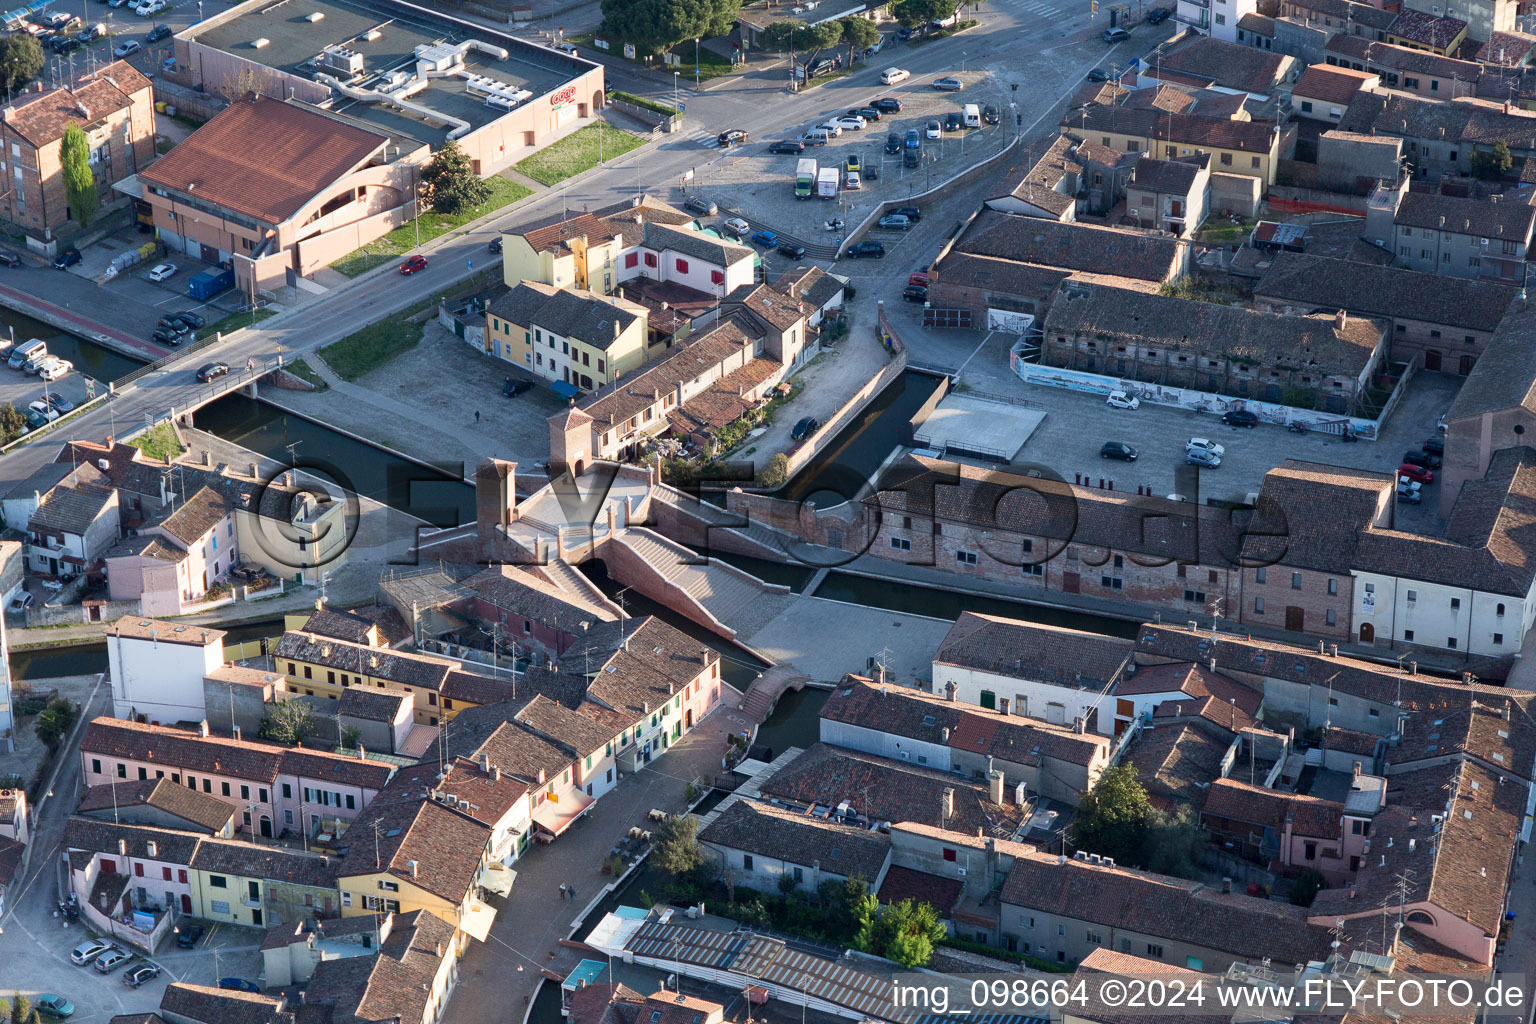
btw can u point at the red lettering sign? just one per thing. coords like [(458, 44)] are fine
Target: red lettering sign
[(562, 97)]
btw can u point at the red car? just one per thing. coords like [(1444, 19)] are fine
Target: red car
[(918, 278), (1419, 473), (413, 264)]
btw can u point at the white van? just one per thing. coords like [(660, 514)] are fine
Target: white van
[(893, 75), (971, 113), (24, 351)]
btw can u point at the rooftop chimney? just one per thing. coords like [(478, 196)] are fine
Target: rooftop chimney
[(1226, 885), (947, 805), (412, 865), (202, 728)]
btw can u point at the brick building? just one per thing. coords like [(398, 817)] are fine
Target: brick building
[(113, 106)]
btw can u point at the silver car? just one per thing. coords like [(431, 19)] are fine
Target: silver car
[(1201, 457), (112, 959), (88, 950)]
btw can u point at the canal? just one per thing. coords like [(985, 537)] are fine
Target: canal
[(88, 659), (846, 466), (90, 359)]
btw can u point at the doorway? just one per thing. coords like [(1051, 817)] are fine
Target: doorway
[(1071, 583), (1467, 363), (1295, 619), (1367, 633), (266, 827), (186, 903), (1431, 359)]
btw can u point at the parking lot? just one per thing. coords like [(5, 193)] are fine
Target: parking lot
[(1077, 424), (749, 181), (22, 389)]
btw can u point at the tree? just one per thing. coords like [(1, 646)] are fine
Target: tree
[(798, 38), (248, 80), (675, 845), (289, 721), (449, 184), (1308, 884), (21, 1008), (1172, 844), (786, 884), (908, 931), (774, 474), (864, 912), (79, 179), (21, 58), (12, 423), (658, 24), (912, 13), (54, 721), (859, 34), (1112, 817), (1492, 165), (350, 737)]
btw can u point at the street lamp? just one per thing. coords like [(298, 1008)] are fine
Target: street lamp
[(674, 87), (696, 63)]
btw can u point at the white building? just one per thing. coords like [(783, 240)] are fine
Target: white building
[(702, 262), (157, 669), (1028, 669), (1215, 18)]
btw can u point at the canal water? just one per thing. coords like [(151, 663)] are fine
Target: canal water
[(88, 659), (90, 359)]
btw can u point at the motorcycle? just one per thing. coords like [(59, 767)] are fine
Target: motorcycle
[(835, 224), (1348, 437), (1297, 427)]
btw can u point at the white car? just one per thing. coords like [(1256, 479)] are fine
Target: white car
[(149, 7), (55, 368), (1121, 400), (735, 226), (1205, 445), (45, 410), (851, 180), (162, 271), (853, 122), (832, 128), (893, 75), (933, 131), (89, 950)]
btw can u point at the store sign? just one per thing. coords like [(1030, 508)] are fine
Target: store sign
[(563, 97)]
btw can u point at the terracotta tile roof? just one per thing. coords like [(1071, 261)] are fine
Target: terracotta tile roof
[(615, 404), (41, 118), (528, 595), (1186, 129), (190, 521), (1105, 961), (1226, 64), (891, 790), (94, 836), (1509, 49), (584, 729), (373, 705), (1071, 246), (1331, 84), (145, 546), (715, 251), (798, 838), (1030, 650), (162, 631), (124, 799), (586, 316), (493, 731), (491, 795), (1481, 217), (1115, 315), (771, 305), (814, 285), (1504, 376), (209, 1005), (995, 275), (393, 985), (1050, 181), (354, 625), (1257, 24), (1317, 283), (1178, 762), (1240, 804), (1474, 727), (405, 668), (723, 402), (1348, 741), (557, 237), (71, 506), (268, 863), (1175, 177), (443, 846), (908, 884), (1158, 905), (1426, 29), (627, 666), (1312, 516), (1400, 58), (263, 159)]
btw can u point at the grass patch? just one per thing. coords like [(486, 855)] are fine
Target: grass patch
[(831, 76), (164, 146), (373, 346), (237, 321), (1227, 233), (159, 443), (641, 101), (302, 370), (504, 192), (578, 152)]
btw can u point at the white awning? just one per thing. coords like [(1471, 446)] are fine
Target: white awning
[(477, 919), (498, 879), (556, 814)]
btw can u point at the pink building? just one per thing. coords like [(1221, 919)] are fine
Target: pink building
[(173, 561)]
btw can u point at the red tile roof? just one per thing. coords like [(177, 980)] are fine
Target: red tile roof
[(43, 118)]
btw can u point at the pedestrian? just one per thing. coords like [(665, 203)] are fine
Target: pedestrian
[(562, 890), (477, 415), (572, 891)]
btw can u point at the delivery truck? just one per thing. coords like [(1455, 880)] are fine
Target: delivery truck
[(826, 183), (805, 178)]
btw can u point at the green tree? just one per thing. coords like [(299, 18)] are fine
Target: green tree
[(21, 1008), (675, 845), (21, 58), (1308, 884), (1112, 817), (1493, 165), (859, 34), (912, 13), (54, 721), (79, 179), (12, 423), (658, 24), (809, 40), (774, 474), (5, 1010), (289, 721), (864, 911), (786, 884), (908, 931), (449, 184), (1173, 844)]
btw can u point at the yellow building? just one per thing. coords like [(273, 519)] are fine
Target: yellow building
[(259, 886), (1245, 147), (1421, 30), (572, 336), (319, 666), (417, 855), (581, 252)]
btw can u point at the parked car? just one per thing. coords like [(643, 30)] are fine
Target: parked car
[(904, 33), (1118, 450), (127, 49), (832, 128), (1409, 496), (188, 934), (851, 180), (88, 951), (149, 8), (168, 336), (9, 259), (805, 428), (895, 222), (912, 213), (1240, 418), (191, 319), (851, 123), (868, 113), (1098, 75), (169, 65), (866, 250), (212, 371), (702, 207), (37, 419), (732, 137), (55, 368), (158, 33), (918, 277), (1158, 16), (1419, 473), (60, 403), (890, 76), (68, 258), (952, 122), (893, 143), (766, 238), (239, 985), (1122, 400), (161, 272), (412, 265), (513, 386), (888, 104), (915, 293), (948, 83), (735, 226), (1205, 445), (50, 1005), (66, 44), (933, 131), (1423, 459), (117, 3), (791, 146), (793, 251), (1199, 457), (914, 139), (1433, 446), (138, 974), (112, 959), (21, 602), (991, 114), (1116, 35)]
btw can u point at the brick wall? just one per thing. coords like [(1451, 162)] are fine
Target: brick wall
[(1298, 600)]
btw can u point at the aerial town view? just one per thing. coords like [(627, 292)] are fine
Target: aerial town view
[(767, 511)]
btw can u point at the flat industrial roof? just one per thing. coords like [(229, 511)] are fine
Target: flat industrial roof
[(293, 41)]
